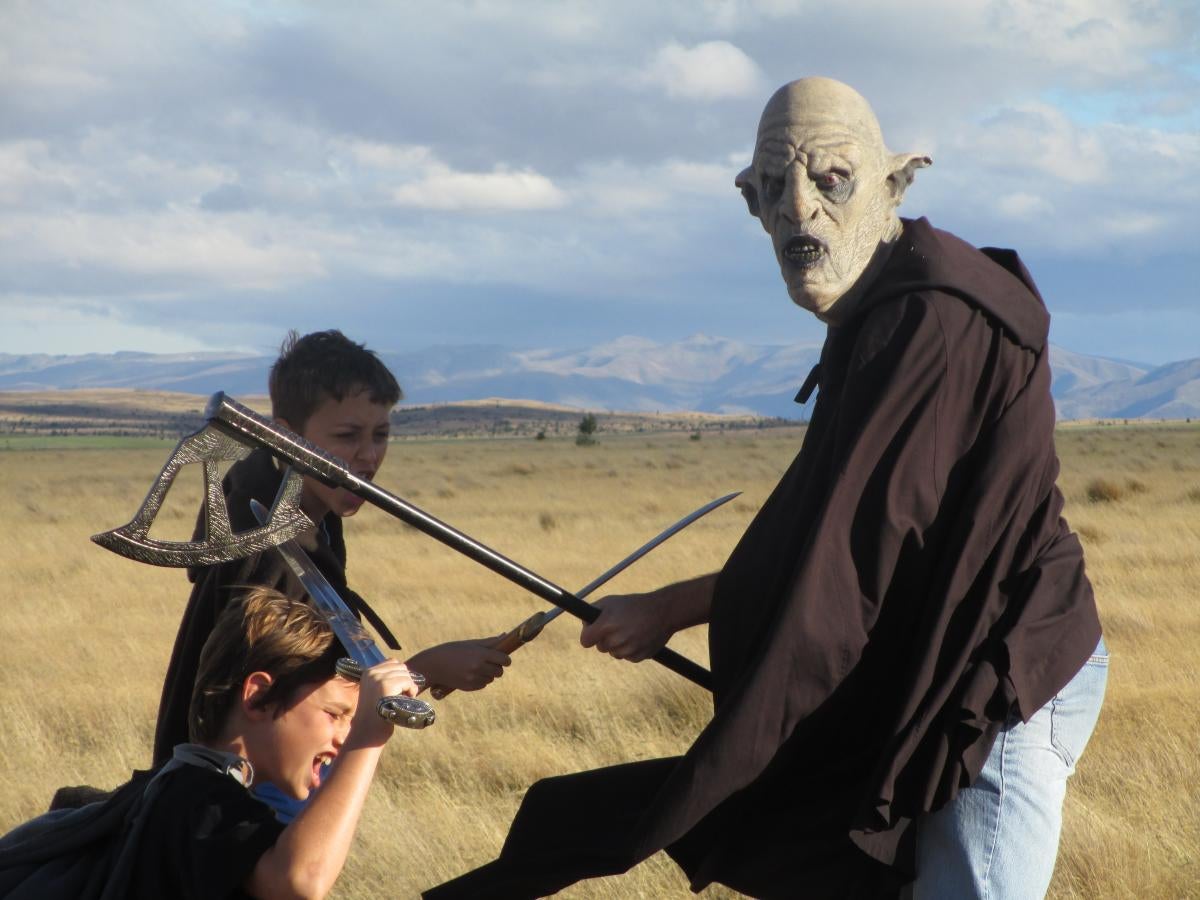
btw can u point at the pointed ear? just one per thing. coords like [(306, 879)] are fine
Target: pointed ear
[(744, 183), (254, 692), (903, 169)]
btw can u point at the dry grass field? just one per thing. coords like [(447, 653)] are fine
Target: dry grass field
[(87, 635)]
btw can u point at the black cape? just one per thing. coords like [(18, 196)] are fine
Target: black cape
[(188, 830), (908, 586), (256, 477)]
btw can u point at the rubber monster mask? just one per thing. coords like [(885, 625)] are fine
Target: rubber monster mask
[(826, 189)]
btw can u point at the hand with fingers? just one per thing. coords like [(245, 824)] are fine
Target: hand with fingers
[(636, 626), (469, 665), (390, 678), (630, 627)]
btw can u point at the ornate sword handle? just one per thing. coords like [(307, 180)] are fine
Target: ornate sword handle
[(407, 712)]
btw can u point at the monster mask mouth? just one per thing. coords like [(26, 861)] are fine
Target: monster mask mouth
[(803, 251)]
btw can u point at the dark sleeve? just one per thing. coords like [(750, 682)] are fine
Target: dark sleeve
[(209, 596), (203, 838)]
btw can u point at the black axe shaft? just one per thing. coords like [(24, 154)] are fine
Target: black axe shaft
[(243, 424)]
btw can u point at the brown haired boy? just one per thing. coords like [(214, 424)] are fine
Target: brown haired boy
[(338, 395), (266, 704)]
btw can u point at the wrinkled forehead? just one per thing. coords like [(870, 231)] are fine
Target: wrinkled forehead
[(778, 146)]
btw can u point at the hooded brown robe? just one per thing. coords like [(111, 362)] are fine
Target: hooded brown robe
[(908, 587), (256, 477)]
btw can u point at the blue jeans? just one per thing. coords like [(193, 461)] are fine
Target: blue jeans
[(998, 839)]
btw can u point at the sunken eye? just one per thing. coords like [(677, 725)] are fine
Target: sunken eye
[(772, 187), (834, 184)]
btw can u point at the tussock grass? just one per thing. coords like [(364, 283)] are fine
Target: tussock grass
[(87, 636), (1102, 490)]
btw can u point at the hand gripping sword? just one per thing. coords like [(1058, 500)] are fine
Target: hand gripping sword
[(532, 627), (234, 430), (364, 653)]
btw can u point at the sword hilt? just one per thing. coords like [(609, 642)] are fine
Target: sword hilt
[(506, 643), (407, 712)]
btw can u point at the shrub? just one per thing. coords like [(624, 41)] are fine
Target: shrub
[(1101, 490), (587, 427)]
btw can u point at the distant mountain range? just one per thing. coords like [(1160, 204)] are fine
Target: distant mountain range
[(701, 374)]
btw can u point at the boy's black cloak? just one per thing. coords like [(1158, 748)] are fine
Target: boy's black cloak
[(908, 587)]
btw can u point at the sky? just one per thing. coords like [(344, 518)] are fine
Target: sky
[(180, 177)]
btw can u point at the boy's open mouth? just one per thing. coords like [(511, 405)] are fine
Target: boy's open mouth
[(321, 762)]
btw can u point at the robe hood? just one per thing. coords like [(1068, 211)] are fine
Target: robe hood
[(989, 278)]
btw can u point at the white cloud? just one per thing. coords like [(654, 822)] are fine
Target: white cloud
[(388, 156), (84, 325), (712, 70), (28, 172), (700, 178), (1041, 138), (1023, 207), (444, 189), (183, 245), (198, 149)]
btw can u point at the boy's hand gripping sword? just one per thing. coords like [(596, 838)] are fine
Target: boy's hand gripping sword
[(233, 430), (364, 653)]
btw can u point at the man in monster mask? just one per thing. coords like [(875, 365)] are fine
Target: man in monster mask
[(905, 647)]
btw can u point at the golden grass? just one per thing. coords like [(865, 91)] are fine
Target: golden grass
[(87, 636)]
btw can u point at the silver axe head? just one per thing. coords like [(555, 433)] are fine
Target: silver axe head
[(208, 446)]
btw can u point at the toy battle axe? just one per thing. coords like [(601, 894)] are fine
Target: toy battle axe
[(232, 432)]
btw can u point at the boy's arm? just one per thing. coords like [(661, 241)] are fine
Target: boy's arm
[(461, 665), (311, 851)]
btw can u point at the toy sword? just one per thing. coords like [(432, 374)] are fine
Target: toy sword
[(532, 627), (399, 710), (233, 430)]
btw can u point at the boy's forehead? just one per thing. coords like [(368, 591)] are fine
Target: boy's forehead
[(357, 402), (339, 691)]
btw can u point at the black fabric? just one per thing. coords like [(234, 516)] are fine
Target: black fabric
[(908, 585), (191, 832), (203, 837), (257, 477)]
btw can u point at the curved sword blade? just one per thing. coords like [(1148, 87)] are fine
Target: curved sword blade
[(640, 552)]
